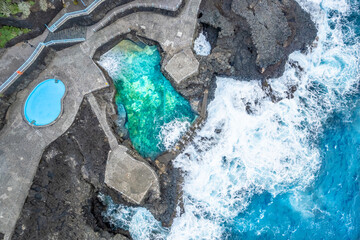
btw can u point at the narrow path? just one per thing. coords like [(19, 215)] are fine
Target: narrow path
[(14, 60), (101, 116), (22, 145), (133, 178)]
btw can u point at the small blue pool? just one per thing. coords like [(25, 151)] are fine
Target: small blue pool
[(43, 106)]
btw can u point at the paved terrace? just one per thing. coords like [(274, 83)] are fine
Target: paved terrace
[(22, 145)]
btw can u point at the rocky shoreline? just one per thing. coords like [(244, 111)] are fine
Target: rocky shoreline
[(64, 193), (63, 203), (234, 40)]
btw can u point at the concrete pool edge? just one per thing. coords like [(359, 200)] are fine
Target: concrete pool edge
[(61, 104)]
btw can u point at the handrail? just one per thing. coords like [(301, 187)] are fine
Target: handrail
[(70, 15), (31, 60)]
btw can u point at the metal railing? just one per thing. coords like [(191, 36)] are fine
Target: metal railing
[(32, 59), (70, 15)]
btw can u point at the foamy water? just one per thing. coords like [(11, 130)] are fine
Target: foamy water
[(171, 132), (274, 148), (238, 156), (202, 46)]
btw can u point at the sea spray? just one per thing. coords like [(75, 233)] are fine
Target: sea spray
[(202, 46), (137, 220), (238, 157), (260, 169)]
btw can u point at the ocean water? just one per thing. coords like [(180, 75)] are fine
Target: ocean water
[(157, 115), (288, 170)]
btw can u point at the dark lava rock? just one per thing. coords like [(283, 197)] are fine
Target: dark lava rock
[(35, 21), (255, 37), (63, 200), (250, 40), (60, 202)]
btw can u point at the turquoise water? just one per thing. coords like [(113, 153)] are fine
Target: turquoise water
[(43, 106), (289, 170), (156, 114), (327, 210)]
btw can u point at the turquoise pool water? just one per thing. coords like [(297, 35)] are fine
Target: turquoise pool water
[(43, 106), (288, 170), (156, 114)]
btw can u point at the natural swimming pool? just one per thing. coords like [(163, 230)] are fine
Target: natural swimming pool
[(43, 105), (156, 114)]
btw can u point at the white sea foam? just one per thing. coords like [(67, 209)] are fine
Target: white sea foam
[(237, 155), (111, 61), (201, 45), (171, 132)]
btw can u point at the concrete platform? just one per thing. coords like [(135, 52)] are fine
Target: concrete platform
[(182, 66), (132, 178), (22, 145)]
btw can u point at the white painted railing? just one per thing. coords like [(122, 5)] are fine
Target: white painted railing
[(70, 15), (32, 59)]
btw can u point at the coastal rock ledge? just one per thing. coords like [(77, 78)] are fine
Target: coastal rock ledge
[(252, 39)]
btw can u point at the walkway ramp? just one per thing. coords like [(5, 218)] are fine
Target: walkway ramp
[(69, 33)]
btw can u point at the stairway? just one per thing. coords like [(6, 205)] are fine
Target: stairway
[(68, 33)]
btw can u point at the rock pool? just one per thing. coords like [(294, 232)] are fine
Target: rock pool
[(156, 114)]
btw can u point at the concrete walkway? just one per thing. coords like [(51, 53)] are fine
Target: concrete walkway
[(149, 4), (13, 58), (172, 33), (133, 178), (21, 145), (101, 116), (16, 55)]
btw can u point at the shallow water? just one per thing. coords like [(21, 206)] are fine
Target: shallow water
[(156, 114), (289, 170)]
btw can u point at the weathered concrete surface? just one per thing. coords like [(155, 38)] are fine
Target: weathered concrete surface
[(182, 66), (159, 4), (15, 56), (101, 116), (61, 200), (21, 145), (172, 33), (132, 178)]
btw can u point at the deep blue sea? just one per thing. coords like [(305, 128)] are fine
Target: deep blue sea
[(330, 208), (289, 170)]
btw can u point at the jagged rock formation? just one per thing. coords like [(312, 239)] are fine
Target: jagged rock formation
[(269, 28), (255, 36)]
